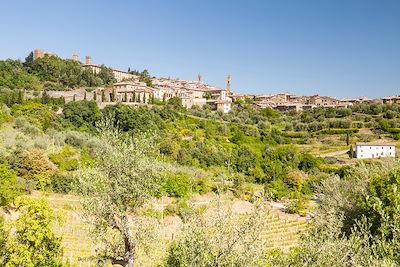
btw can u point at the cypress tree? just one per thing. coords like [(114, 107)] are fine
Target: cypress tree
[(351, 152), (126, 97), (94, 96), (20, 96), (74, 98), (84, 96), (144, 98), (46, 97), (103, 96)]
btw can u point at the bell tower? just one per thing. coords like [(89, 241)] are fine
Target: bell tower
[(228, 84)]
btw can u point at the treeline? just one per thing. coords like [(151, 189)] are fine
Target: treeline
[(50, 73)]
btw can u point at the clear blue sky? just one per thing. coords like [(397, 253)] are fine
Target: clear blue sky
[(343, 48)]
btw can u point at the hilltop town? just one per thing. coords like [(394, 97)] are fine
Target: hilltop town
[(128, 89)]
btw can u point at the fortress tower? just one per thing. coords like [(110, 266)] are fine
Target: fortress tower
[(228, 84), (38, 53), (88, 60), (75, 57), (199, 78)]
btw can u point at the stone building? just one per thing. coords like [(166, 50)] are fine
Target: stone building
[(119, 75)]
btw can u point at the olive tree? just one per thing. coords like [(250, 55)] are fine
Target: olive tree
[(123, 177), (226, 239)]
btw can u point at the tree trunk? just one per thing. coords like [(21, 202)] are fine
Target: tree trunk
[(130, 244)]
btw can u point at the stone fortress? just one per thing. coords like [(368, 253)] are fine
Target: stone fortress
[(129, 90)]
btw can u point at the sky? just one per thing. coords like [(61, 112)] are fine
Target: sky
[(340, 48)]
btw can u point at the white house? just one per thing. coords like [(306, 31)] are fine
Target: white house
[(375, 150)]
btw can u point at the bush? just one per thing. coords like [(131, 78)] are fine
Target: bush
[(67, 159), (62, 183), (177, 185), (9, 186), (277, 189), (35, 166), (295, 180), (202, 185), (24, 126), (41, 142), (297, 206)]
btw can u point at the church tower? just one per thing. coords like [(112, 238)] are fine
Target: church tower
[(199, 78), (228, 85)]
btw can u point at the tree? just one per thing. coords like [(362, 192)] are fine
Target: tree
[(120, 181), (34, 242), (126, 97), (9, 186), (3, 240), (82, 113), (103, 96), (94, 96), (351, 152), (46, 97), (226, 239), (84, 96), (112, 96), (144, 97), (36, 167)]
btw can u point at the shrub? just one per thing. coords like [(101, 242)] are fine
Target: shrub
[(25, 127), (295, 180), (62, 183), (177, 185), (9, 186), (202, 185), (75, 139), (297, 206), (35, 166), (67, 159), (277, 189), (41, 142)]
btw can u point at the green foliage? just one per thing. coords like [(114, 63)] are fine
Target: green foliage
[(225, 240), (10, 188), (382, 208), (63, 183), (136, 119), (13, 75), (35, 167), (177, 185), (34, 112), (122, 178), (82, 114), (297, 206), (34, 243), (67, 159)]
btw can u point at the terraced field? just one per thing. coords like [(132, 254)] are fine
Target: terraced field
[(284, 231)]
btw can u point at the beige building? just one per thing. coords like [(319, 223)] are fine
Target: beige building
[(320, 101), (119, 75), (40, 53)]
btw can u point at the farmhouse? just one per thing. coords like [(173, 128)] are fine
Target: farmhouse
[(375, 150)]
